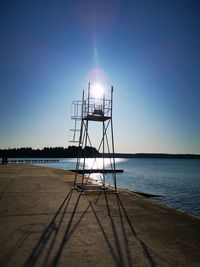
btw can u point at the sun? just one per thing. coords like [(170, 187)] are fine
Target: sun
[(97, 90)]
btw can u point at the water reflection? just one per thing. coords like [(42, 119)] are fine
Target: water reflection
[(99, 164)]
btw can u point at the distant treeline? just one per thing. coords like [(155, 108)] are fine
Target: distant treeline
[(73, 152), (49, 152)]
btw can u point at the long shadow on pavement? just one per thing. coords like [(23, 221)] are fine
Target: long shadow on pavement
[(48, 232), (118, 245), (120, 249), (146, 252)]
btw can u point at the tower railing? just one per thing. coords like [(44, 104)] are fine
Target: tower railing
[(83, 109)]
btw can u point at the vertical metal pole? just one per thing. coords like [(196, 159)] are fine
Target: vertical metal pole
[(80, 142), (74, 136), (88, 99), (103, 143), (86, 138), (113, 149)]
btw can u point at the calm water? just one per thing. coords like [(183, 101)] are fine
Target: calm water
[(176, 182)]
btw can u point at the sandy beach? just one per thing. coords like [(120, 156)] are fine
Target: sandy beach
[(44, 222)]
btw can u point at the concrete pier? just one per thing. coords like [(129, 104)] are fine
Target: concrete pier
[(45, 223)]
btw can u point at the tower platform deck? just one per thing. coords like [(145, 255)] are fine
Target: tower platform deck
[(96, 118)]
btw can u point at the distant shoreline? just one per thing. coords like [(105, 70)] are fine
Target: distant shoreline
[(88, 152), (157, 155), (119, 155)]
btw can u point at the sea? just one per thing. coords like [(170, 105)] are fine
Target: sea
[(172, 182)]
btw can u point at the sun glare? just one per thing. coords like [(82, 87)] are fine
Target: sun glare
[(97, 90)]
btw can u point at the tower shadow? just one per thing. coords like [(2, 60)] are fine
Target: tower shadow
[(117, 240), (50, 234), (121, 250), (144, 247)]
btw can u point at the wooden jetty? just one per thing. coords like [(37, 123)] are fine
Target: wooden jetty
[(33, 161)]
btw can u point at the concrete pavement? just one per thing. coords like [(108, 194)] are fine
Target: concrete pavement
[(45, 223)]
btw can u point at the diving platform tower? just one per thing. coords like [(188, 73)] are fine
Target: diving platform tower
[(93, 120)]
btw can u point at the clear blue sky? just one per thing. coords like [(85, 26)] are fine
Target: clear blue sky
[(148, 50)]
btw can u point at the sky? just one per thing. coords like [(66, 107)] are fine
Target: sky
[(148, 50)]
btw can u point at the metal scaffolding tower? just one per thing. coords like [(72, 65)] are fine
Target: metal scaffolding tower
[(85, 113)]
